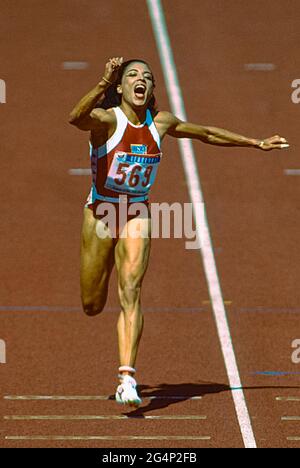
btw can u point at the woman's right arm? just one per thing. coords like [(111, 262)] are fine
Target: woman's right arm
[(84, 115)]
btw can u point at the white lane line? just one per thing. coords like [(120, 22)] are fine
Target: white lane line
[(290, 418), (292, 172), (289, 398), (191, 171), (94, 397), (80, 172), (75, 65), (259, 66), (97, 437), (295, 439), (92, 417), (56, 397)]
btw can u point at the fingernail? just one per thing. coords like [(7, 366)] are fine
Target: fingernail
[(285, 145)]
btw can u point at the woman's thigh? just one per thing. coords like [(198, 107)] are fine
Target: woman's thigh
[(97, 261)]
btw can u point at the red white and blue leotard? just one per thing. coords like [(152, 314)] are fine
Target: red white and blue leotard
[(127, 163)]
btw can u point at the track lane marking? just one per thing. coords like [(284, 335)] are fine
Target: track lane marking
[(91, 417), (290, 398), (274, 373), (292, 172), (72, 65), (44, 308), (191, 172), (95, 397), (206, 303), (80, 171), (97, 437), (290, 418), (259, 66)]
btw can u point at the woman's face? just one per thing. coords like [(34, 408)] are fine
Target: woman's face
[(137, 85)]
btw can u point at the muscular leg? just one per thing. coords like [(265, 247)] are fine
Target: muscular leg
[(131, 257), (97, 261)]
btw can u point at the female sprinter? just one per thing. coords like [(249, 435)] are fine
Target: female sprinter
[(126, 131)]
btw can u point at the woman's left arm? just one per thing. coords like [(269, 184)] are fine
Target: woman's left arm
[(218, 136)]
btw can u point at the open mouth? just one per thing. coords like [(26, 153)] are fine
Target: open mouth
[(140, 91)]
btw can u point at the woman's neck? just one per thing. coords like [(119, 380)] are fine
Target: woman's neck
[(135, 116)]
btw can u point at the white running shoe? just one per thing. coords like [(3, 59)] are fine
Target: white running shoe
[(126, 393)]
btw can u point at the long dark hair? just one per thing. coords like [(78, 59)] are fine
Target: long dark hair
[(113, 98)]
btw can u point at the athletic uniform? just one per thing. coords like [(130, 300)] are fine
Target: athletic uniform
[(126, 164)]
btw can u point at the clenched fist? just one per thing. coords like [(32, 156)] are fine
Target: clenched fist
[(111, 69)]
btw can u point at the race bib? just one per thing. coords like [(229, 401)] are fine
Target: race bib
[(132, 174)]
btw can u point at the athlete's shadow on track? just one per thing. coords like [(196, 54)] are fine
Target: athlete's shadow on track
[(169, 394), (165, 395)]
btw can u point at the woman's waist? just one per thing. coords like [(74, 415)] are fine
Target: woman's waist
[(101, 193)]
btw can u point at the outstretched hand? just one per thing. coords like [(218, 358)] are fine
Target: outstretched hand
[(274, 142), (111, 68)]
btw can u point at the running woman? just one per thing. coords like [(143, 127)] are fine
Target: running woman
[(126, 131)]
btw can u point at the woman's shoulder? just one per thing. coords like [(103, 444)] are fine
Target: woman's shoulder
[(164, 116), (105, 115)]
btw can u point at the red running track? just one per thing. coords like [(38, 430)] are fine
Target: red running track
[(252, 207)]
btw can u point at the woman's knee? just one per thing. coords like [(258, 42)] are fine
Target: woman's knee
[(93, 307), (129, 291)]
